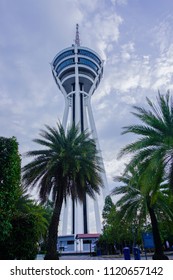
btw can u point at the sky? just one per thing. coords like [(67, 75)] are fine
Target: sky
[(133, 37)]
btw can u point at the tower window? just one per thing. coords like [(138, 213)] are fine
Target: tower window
[(90, 54), (88, 63), (64, 64), (61, 56)]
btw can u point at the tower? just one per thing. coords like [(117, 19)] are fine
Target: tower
[(77, 72)]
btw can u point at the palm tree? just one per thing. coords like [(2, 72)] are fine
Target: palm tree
[(68, 165), (156, 135), (28, 206), (143, 197)]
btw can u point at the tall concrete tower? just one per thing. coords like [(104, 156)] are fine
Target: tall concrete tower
[(77, 72)]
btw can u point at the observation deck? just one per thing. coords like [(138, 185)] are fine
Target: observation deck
[(77, 61)]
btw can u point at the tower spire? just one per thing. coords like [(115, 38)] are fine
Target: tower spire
[(77, 39)]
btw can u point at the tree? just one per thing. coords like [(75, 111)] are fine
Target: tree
[(107, 239), (29, 225), (117, 231), (144, 196), (20, 217), (156, 135), (108, 207), (10, 175), (68, 165)]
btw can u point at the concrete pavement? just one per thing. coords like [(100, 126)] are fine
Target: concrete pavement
[(107, 257)]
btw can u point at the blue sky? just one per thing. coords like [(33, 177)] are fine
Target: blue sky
[(135, 39)]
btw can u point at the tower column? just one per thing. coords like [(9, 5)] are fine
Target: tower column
[(94, 133), (77, 91), (65, 116)]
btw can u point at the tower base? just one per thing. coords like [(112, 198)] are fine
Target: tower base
[(80, 243)]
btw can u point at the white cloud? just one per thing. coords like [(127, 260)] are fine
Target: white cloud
[(100, 25), (162, 32), (137, 64), (164, 69), (127, 51), (119, 2)]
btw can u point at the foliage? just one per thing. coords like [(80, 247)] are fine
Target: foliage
[(152, 158), (117, 231), (143, 197), (41, 214), (29, 226), (166, 224), (9, 183), (155, 144), (68, 165), (108, 207), (22, 221), (106, 240)]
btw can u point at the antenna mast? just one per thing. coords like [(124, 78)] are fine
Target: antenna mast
[(77, 39)]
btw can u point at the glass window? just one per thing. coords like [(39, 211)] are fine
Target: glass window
[(63, 55), (90, 54), (88, 63), (64, 64)]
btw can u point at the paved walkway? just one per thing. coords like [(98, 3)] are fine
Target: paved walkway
[(111, 257)]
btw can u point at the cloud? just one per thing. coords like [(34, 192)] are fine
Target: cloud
[(103, 30), (138, 59), (119, 2), (161, 33), (163, 69)]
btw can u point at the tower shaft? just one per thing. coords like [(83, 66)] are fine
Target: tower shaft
[(77, 72)]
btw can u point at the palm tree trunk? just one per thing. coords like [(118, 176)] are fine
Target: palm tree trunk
[(158, 254), (52, 253), (171, 175)]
